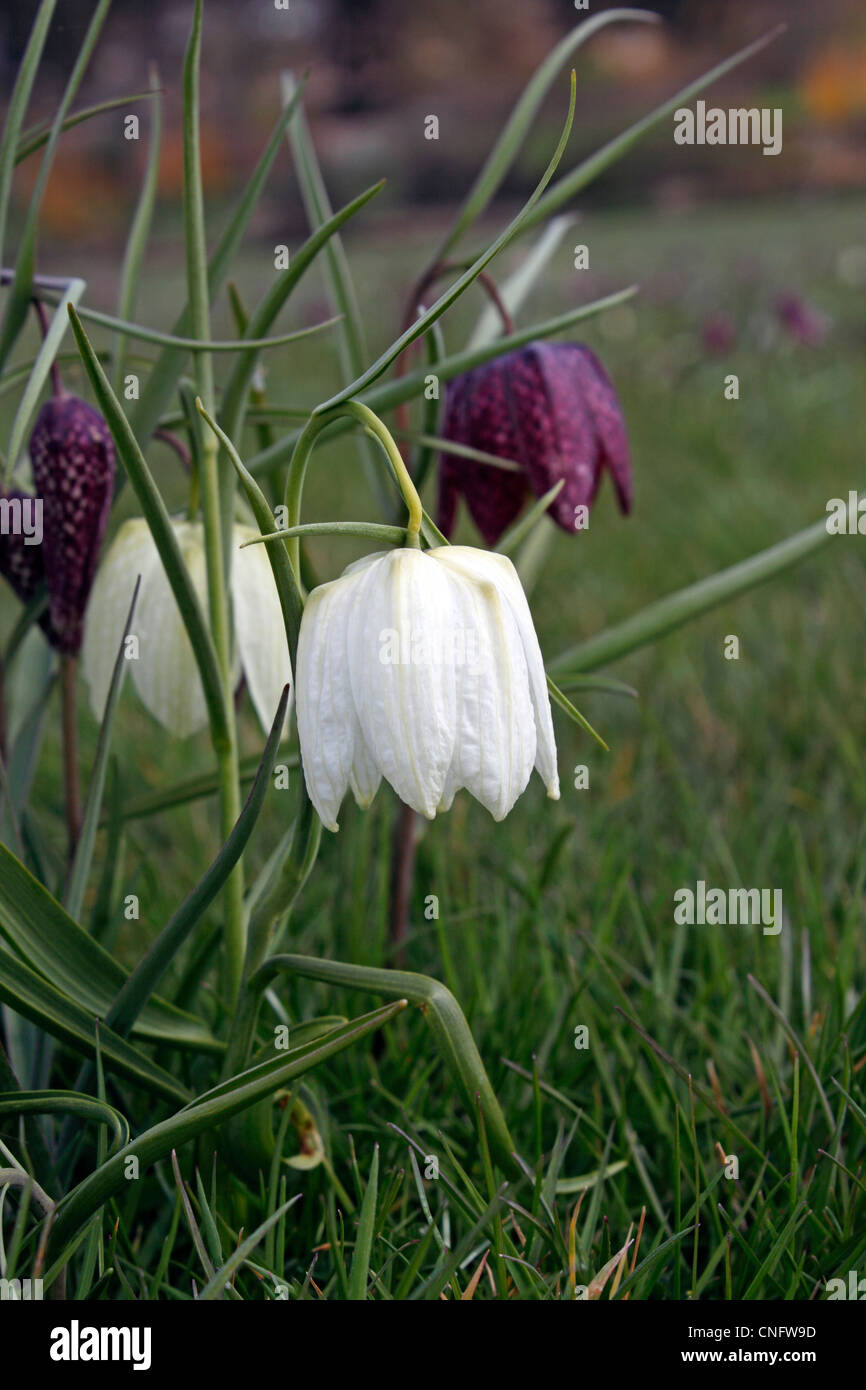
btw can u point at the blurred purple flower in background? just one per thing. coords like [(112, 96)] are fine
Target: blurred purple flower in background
[(552, 410), (718, 334), (800, 321)]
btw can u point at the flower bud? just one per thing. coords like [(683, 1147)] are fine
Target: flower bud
[(72, 455), (552, 409)]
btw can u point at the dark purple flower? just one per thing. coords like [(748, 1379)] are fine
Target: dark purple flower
[(800, 320), (550, 408), (72, 455)]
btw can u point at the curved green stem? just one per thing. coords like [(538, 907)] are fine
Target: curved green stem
[(301, 457), (225, 746)]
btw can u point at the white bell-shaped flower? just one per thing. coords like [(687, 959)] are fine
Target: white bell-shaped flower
[(164, 670), (423, 668)]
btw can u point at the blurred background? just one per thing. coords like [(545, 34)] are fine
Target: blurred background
[(377, 67)]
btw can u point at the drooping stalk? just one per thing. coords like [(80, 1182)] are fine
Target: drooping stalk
[(69, 727), (225, 745), (301, 457)]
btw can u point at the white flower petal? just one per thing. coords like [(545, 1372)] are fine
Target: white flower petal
[(484, 565), (260, 632), (404, 697), (131, 553), (166, 674), (495, 746), (327, 724)]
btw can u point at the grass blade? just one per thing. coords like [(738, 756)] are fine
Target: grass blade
[(206, 1112), (359, 1274), (215, 1285)]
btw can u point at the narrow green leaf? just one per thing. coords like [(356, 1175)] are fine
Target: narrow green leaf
[(521, 529), (33, 140), (502, 156), (574, 713), (564, 190), (206, 1112), (22, 283), (598, 682), (139, 230), (195, 345), (32, 995), (150, 803), (17, 107), (453, 293), (80, 867), (215, 1286), (367, 530), (161, 529), (165, 373), (671, 612), (39, 374), (68, 1103), (388, 394), (566, 1187), (46, 937), (359, 1274), (133, 997), (442, 1012)]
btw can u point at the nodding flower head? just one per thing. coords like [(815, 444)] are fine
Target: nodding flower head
[(423, 667), (72, 456), (166, 675), (551, 409)]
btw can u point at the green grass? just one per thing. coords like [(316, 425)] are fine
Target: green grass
[(744, 772)]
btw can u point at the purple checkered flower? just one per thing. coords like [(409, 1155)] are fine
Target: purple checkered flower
[(551, 409), (72, 455)]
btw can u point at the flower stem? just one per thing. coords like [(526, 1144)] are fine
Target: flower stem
[(402, 872), (213, 509), (69, 723), (301, 457)]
